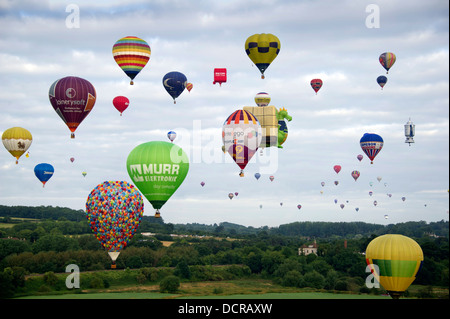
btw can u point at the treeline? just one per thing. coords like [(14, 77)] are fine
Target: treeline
[(304, 229)]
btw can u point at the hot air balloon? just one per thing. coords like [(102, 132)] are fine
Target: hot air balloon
[(342, 206), (17, 140), (114, 210), (43, 172), (236, 194), (382, 80), (230, 195), (360, 157), (403, 198), (171, 135), (375, 203), (387, 60), (189, 86), (262, 99), (322, 183), (84, 174), (72, 159), (220, 76), (121, 103), (398, 259), (241, 134), (316, 84), (370, 193), (355, 175), (386, 216), (271, 178), (337, 168), (131, 54), (379, 178), (357, 209), (72, 98), (299, 206), (157, 169), (257, 176), (410, 130), (262, 49), (174, 82), (335, 201), (371, 144), (336, 183)]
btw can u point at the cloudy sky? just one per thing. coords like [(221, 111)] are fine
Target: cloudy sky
[(337, 41)]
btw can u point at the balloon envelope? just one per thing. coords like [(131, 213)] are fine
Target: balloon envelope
[(262, 49), (43, 172), (355, 175), (371, 144), (114, 210), (131, 54), (316, 84), (241, 134), (171, 135), (157, 169), (73, 99), (382, 80), (360, 157), (387, 60), (337, 168), (262, 99), (174, 83), (17, 140), (398, 258), (121, 103)]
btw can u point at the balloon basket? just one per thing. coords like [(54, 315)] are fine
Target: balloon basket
[(72, 135), (113, 266), (157, 214), (131, 83)]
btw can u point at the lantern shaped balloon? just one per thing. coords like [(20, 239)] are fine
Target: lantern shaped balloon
[(394, 260), (72, 98), (131, 54), (220, 76), (121, 103), (241, 134), (371, 144), (114, 210), (17, 140)]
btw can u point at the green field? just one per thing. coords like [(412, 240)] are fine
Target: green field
[(154, 295)]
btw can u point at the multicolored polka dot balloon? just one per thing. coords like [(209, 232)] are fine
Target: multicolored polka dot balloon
[(114, 211)]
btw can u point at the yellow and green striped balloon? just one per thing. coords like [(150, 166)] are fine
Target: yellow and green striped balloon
[(398, 258)]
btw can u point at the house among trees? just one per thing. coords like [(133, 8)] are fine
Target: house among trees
[(308, 249)]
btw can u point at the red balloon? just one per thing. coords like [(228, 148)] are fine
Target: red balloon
[(72, 98), (316, 84), (121, 103), (337, 168)]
